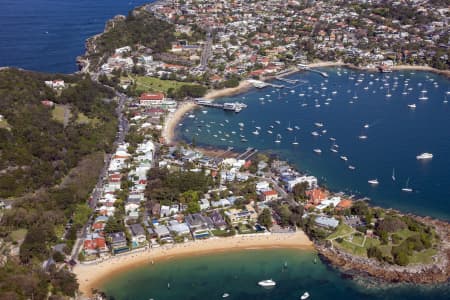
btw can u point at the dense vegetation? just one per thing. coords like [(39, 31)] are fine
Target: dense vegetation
[(38, 151), (184, 187), (48, 170), (138, 28)]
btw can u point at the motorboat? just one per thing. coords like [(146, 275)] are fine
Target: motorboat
[(225, 295), (267, 283), (373, 181), (351, 167), (305, 296), (318, 151), (333, 150), (424, 155), (318, 124), (315, 133), (412, 105), (344, 158), (362, 137)]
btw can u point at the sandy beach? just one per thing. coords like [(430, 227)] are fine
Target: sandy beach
[(242, 87), (94, 275), (172, 120)]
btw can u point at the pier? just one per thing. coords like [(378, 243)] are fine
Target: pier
[(291, 81), (306, 68), (229, 106), (261, 84), (247, 154)]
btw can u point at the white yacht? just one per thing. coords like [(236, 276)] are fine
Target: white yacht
[(424, 155), (278, 139), (318, 124), (295, 141), (278, 122), (423, 97), (256, 132), (267, 282), (352, 167), (334, 150), (344, 158), (366, 125), (304, 296), (362, 137), (373, 181), (225, 295), (318, 151), (412, 105), (315, 133)]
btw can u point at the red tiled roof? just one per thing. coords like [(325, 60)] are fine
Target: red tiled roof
[(152, 96)]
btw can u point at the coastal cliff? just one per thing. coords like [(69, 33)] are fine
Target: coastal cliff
[(435, 272)]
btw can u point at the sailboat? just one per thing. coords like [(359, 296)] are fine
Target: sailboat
[(388, 94), (423, 97), (295, 141), (406, 188), (289, 128), (393, 174), (278, 139)]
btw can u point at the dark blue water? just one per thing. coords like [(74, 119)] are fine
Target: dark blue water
[(396, 133), (237, 273), (47, 35)]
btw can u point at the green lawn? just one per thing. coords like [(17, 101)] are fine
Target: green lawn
[(4, 124), (18, 235), (58, 112), (422, 256), (342, 229), (151, 84), (354, 249)]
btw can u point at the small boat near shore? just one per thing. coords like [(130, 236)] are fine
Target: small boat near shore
[(305, 296), (373, 181), (424, 155)]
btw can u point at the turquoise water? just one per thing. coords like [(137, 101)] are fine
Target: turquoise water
[(396, 133), (237, 273)]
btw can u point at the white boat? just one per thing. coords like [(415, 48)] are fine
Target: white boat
[(362, 137), (191, 116), (305, 296), (278, 122), (393, 175), (241, 124), (295, 141), (289, 128), (412, 105), (256, 132), (423, 97), (315, 133), (267, 282), (366, 125), (225, 295), (318, 151), (424, 155), (351, 167), (333, 150), (344, 158), (406, 188), (373, 181), (318, 124), (269, 131), (332, 139), (278, 139)]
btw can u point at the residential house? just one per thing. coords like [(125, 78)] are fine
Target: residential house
[(94, 244), (246, 215), (118, 242), (218, 220), (269, 195), (138, 236), (178, 228), (199, 225)]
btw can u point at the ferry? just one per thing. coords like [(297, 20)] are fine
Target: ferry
[(373, 181), (267, 282), (424, 155)]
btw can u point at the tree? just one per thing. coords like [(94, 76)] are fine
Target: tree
[(265, 218), (299, 191), (193, 207)]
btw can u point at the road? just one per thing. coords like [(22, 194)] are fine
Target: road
[(206, 53), (97, 192)]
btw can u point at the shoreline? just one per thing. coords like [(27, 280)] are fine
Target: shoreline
[(93, 276), (173, 119)]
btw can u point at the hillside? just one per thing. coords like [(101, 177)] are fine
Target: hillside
[(139, 28), (49, 164)]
